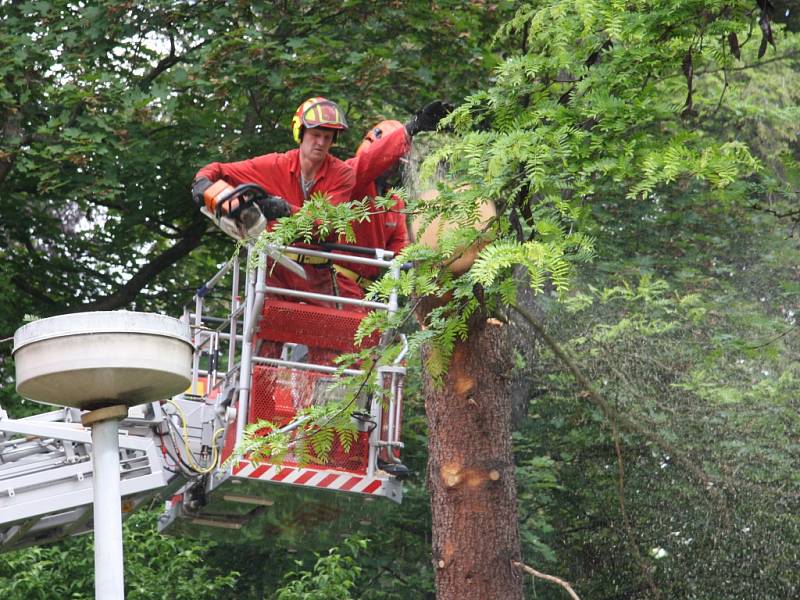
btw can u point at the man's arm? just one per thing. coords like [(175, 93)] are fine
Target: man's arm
[(226, 194), (378, 158), (252, 170)]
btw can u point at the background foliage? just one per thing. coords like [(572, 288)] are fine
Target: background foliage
[(156, 566), (659, 225)]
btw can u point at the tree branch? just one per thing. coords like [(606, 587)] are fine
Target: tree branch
[(547, 577), (168, 61), (789, 55), (189, 241), (23, 284), (628, 424)]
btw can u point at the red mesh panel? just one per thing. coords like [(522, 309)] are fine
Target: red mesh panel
[(314, 326), (277, 394)]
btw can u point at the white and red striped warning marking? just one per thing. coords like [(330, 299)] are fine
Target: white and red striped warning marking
[(331, 480)]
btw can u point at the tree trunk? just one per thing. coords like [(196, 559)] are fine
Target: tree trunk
[(471, 470)]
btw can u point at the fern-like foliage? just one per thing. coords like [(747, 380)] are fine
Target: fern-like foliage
[(318, 220), (597, 106)]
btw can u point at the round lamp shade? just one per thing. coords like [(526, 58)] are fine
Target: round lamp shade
[(95, 359)]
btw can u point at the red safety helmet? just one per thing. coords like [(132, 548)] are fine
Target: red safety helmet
[(317, 112), (381, 129)]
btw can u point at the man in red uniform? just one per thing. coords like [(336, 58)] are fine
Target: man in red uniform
[(293, 177), (296, 174), (376, 165)]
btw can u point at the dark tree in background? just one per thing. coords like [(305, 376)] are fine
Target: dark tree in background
[(108, 110)]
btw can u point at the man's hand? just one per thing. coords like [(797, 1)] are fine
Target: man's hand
[(273, 207), (199, 186), (428, 118)]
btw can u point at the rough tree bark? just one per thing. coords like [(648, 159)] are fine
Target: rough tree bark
[(471, 469)]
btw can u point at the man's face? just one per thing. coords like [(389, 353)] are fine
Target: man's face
[(316, 143)]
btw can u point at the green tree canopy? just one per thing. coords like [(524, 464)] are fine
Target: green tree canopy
[(643, 159)]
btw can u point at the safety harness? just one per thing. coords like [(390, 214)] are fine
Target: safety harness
[(318, 261)]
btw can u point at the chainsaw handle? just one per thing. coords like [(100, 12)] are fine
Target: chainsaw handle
[(239, 198)]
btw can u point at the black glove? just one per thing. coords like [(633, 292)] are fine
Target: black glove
[(273, 207), (428, 118), (198, 188)]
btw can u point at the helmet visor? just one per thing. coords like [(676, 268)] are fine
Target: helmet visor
[(324, 114)]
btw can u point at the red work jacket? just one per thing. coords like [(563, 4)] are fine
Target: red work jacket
[(279, 174), (386, 228)]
